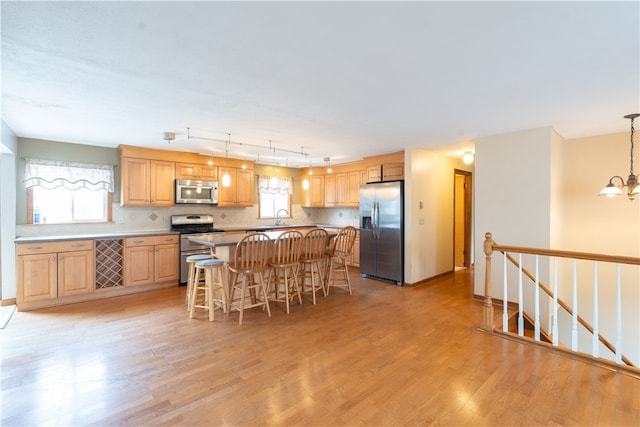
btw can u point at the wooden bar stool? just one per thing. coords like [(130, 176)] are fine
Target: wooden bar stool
[(314, 244), (210, 293), (285, 260), (248, 265), (191, 262), (337, 255)]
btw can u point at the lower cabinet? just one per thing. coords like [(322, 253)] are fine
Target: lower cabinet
[(354, 257), (64, 272), (151, 259), (47, 271)]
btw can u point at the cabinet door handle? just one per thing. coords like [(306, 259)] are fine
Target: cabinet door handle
[(138, 241), (35, 248), (78, 245), (53, 258), (60, 258)]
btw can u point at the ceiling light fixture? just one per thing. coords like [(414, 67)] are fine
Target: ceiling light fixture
[(467, 157), (170, 137), (327, 161), (633, 187)]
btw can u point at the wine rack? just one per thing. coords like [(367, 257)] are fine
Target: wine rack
[(109, 258)]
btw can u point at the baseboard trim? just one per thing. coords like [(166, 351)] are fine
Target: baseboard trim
[(428, 280), (8, 301)]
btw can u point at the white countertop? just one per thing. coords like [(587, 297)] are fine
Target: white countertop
[(63, 237), (214, 240)]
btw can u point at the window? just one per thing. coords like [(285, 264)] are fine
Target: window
[(67, 192), (274, 194), (62, 206)]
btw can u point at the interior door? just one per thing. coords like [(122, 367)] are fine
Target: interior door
[(462, 219)]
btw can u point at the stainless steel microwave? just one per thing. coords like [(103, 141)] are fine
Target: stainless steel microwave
[(194, 191)]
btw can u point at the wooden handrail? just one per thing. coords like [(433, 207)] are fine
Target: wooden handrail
[(567, 254), (489, 246)]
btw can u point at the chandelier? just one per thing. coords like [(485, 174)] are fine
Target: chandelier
[(633, 187)]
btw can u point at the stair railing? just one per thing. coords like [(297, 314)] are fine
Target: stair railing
[(489, 246)]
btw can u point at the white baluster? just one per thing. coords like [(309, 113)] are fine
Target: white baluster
[(537, 304), (505, 315), (520, 315), (618, 320), (574, 320), (595, 343), (554, 329)]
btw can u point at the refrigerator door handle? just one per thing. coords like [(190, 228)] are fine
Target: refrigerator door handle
[(373, 219), (377, 226)]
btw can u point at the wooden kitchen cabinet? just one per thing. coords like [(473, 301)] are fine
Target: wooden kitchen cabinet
[(239, 193), (147, 182), (335, 190), (342, 189), (329, 191), (314, 195), (392, 171), (195, 171), (151, 259), (354, 257), (47, 271), (374, 173), (354, 179)]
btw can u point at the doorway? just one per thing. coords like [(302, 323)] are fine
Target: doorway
[(462, 219)]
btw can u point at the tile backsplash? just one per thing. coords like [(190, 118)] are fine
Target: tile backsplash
[(132, 219)]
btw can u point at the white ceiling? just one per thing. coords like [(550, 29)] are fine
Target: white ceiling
[(344, 80)]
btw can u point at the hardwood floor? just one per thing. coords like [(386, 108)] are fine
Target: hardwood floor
[(384, 356)]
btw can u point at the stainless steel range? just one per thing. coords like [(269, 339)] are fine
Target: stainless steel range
[(191, 226)]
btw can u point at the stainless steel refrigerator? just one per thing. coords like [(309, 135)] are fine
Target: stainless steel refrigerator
[(382, 231)]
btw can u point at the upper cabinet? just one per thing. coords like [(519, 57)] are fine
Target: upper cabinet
[(148, 176), (147, 182), (239, 191), (342, 189), (195, 171), (391, 171), (336, 190), (312, 194), (329, 191), (354, 180)]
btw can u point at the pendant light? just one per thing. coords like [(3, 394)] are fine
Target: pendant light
[(633, 187), (226, 179)]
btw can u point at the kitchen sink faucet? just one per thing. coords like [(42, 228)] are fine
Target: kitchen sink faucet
[(278, 218)]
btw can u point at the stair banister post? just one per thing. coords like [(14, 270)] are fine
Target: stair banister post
[(488, 304)]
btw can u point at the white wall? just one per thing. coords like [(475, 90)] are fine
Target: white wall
[(8, 148), (512, 193), (593, 223), (428, 229)]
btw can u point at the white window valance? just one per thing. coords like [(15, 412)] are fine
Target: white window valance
[(52, 174), (275, 185)]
